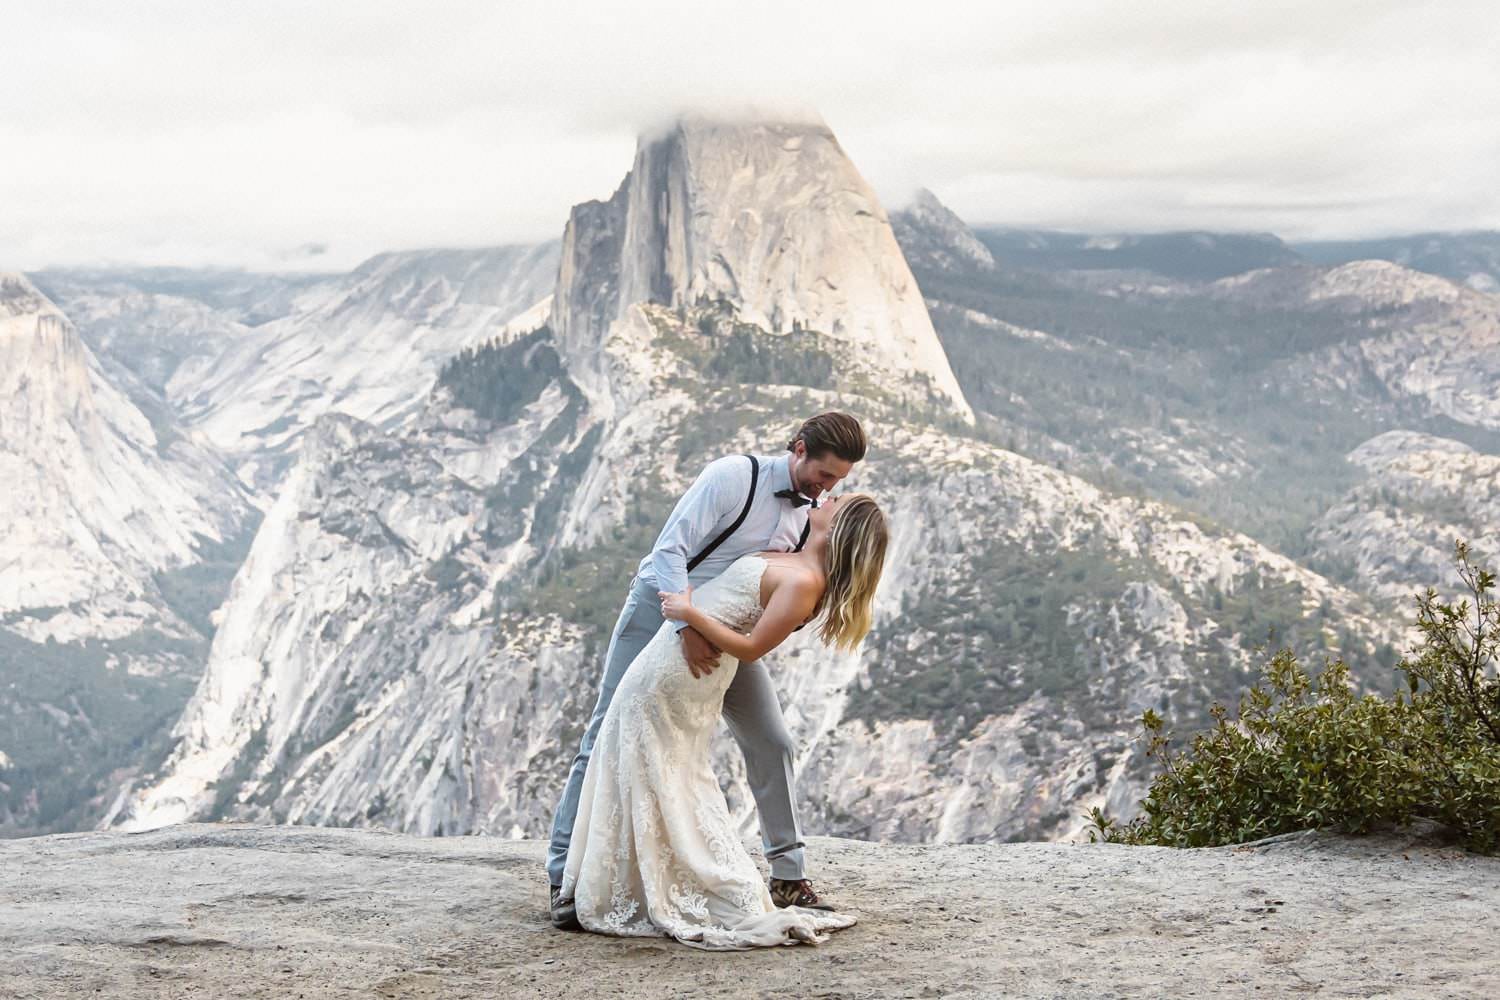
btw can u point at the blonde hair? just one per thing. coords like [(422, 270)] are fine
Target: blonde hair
[(856, 554)]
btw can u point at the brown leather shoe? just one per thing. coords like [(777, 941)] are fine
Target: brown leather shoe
[(564, 915), (797, 892)]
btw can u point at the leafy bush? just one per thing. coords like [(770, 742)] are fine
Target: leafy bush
[(1309, 752)]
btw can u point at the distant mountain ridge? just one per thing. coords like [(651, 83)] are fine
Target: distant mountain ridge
[(1470, 258), (934, 237), (368, 343), (1199, 256)]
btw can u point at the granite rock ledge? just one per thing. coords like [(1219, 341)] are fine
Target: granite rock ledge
[(239, 910)]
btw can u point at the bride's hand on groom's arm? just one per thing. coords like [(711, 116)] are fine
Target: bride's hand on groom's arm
[(676, 606)]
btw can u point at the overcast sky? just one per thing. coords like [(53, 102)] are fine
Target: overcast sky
[(275, 134)]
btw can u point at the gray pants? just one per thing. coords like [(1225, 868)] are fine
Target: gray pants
[(755, 721)]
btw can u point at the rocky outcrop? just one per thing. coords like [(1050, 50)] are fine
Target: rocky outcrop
[(1428, 344), (115, 523), (97, 496), (214, 910), (934, 238), (1420, 495), (770, 218), (315, 679)]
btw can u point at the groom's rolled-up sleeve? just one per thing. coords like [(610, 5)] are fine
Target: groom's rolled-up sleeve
[(693, 523)]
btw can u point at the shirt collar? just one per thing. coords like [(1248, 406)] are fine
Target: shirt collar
[(781, 474)]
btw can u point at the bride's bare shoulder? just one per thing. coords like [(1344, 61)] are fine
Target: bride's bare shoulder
[(785, 568)]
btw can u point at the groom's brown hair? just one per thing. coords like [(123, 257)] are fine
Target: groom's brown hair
[(833, 431)]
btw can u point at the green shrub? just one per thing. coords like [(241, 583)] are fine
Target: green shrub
[(1308, 752)]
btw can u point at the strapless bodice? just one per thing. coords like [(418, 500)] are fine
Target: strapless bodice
[(733, 596)]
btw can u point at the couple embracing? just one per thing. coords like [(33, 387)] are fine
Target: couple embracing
[(642, 841)]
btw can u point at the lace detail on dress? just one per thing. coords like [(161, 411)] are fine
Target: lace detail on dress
[(654, 851)]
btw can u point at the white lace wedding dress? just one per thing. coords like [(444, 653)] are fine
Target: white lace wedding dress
[(654, 852)]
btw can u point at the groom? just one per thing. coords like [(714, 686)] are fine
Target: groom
[(737, 505)]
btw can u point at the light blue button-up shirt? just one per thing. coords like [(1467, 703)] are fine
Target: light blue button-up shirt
[(710, 506)]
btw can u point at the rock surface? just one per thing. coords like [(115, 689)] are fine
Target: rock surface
[(208, 910)]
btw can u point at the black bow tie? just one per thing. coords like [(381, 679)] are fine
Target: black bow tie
[(796, 499)]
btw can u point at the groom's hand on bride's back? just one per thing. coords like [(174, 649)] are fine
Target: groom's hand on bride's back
[(701, 655)]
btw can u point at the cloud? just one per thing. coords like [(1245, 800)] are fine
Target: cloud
[(238, 134)]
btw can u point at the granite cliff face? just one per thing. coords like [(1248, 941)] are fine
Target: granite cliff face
[(125, 522), (769, 218), (356, 677), (97, 499), (115, 524)]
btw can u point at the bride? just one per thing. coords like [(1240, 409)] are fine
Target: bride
[(654, 851)]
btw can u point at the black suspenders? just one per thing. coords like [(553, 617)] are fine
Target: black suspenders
[(723, 535), (749, 501)]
